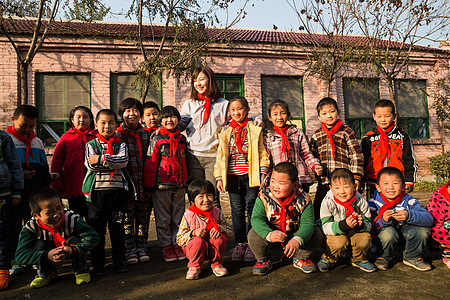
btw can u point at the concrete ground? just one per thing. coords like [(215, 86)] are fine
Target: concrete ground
[(160, 280)]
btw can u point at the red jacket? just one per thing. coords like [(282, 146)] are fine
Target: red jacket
[(68, 162)]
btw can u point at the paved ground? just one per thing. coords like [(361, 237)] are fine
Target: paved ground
[(159, 280)]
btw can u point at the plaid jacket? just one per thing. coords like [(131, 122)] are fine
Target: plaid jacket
[(348, 153), (299, 152)]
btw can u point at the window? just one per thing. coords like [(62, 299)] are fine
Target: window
[(412, 118), (56, 95), (123, 86), (231, 85), (288, 89), (360, 96)]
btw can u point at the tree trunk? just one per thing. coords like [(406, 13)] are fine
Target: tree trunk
[(23, 83), (391, 90), (328, 88)]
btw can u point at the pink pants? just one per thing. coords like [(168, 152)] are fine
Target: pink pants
[(197, 248)]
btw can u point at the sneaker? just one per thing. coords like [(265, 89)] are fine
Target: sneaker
[(237, 253), (248, 255), (417, 263), (39, 282), (16, 268), (179, 252), (4, 279), (324, 265), (220, 271), (132, 257), (261, 267), (305, 265), (382, 263), (82, 277), (142, 255), (168, 254), (446, 262), (365, 265), (193, 273), (120, 267)]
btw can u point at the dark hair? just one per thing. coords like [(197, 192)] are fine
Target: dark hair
[(26, 110), (150, 104), (168, 111), (287, 168), (342, 173), (326, 101), (84, 108), (213, 89), (107, 112), (42, 195), (385, 103), (241, 99), (200, 186), (280, 103), (130, 103), (390, 171)]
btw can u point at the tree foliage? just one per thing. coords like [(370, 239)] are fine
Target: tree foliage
[(85, 10)]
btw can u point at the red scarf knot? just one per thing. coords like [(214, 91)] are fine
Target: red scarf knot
[(348, 205), (210, 222), (283, 204), (173, 142), (12, 130), (82, 134), (388, 205), (330, 133), (238, 130), (285, 146), (206, 106), (124, 130), (384, 141), (57, 238), (109, 148)]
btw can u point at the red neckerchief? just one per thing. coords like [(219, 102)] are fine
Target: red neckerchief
[(124, 130), (151, 129), (331, 132), (205, 109), (12, 130), (173, 142), (285, 147), (384, 141), (386, 206), (238, 128), (210, 222), (283, 204), (348, 205), (443, 190), (109, 149), (83, 134), (57, 238)]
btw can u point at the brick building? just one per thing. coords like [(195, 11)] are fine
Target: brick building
[(95, 66)]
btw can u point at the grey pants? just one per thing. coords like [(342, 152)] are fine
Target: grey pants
[(261, 247)]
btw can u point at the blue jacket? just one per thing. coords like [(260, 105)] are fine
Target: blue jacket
[(11, 173), (418, 215)]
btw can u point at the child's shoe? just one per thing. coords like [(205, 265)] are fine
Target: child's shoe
[(16, 268), (132, 257), (305, 265), (168, 254), (446, 262), (365, 265), (193, 273), (142, 255), (324, 265), (4, 279), (120, 267), (382, 263), (249, 256), (39, 282), (220, 271), (261, 267), (417, 263), (179, 252), (82, 277), (238, 252)]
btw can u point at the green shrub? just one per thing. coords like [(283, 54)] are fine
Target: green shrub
[(440, 165), (427, 186)]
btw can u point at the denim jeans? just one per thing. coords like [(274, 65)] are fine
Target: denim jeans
[(414, 237), (242, 198)]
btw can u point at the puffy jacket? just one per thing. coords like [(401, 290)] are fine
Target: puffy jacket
[(11, 173)]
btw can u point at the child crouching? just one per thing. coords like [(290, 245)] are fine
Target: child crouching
[(203, 231), (52, 235), (283, 213)]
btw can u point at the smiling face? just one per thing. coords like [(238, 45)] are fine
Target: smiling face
[(343, 189), (204, 201), (278, 116), (391, 186), (52, 212), (24, 125), (201, 84), (150, 117), (238, 111), (170, 123), (106, 125), (384, 117), (131, 117), (81, 120), (329, 115), (281, 186)]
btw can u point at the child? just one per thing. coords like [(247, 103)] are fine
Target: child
[(11, 184), (204, 230), (34, 164), (388, 146), (68, 168), (396, 217), (137, 216), (150, 116), (166, 172), (286, 143), (283, 213), (106, 187), (52, 235), (345, 217), (439, 207), (241, 165), (336, 146)]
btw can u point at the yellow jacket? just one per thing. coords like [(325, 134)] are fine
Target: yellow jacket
[(257, 155)]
